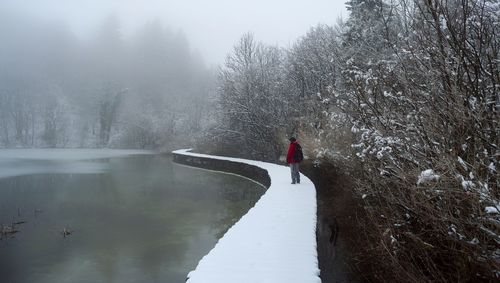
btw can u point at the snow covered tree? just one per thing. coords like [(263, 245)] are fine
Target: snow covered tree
[(314, 69), (254, 99)]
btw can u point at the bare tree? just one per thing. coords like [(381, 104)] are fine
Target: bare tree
[(255, 101)]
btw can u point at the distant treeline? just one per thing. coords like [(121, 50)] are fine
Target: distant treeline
[(146, 90)]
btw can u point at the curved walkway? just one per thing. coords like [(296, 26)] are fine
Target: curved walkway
[(274, 242)]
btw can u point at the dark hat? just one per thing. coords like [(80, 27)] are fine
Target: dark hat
[(292, 139)]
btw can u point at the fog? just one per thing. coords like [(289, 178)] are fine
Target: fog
[(128, 74), (212, 27)]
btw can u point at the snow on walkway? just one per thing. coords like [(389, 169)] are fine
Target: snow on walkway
[(274, 242)]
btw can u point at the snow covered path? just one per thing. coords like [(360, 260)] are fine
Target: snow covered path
[(274, 242)]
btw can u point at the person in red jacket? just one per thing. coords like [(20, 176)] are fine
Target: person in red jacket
[(294, 157)]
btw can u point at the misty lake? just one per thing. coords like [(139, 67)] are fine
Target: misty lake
[(137, 218)]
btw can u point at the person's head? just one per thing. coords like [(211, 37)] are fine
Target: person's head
[(292, 139)]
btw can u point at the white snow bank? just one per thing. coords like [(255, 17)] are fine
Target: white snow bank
[(274, 242), (426, 176), (467, 184), (491, 210), (18, 162), (66, 154)]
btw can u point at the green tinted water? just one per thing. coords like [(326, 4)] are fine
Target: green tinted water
[(143, 219)]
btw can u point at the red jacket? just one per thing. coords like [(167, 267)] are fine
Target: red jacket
[(291, 152)]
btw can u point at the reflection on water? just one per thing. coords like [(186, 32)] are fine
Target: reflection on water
[(143, 220)]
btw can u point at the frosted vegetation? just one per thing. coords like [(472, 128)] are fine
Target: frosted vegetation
[(403, 95)]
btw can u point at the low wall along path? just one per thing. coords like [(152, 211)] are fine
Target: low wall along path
[(275, 241)]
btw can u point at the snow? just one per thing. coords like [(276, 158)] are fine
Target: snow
[(274, 242), (426, 176), (491, 210), (492, 167), (18, 162), (467, 184), (67, 154), (462, 162)]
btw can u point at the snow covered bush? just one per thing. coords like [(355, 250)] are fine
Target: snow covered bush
[(420, 87)]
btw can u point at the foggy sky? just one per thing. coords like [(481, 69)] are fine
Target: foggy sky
[(211, 26)]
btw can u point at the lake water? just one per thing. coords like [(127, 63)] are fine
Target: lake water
[(137, 218)]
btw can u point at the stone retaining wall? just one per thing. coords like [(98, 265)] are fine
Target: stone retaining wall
[(252, 172)]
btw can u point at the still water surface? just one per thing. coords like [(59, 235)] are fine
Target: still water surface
[(133, 219)]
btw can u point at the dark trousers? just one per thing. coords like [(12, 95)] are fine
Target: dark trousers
[(294, 168)]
